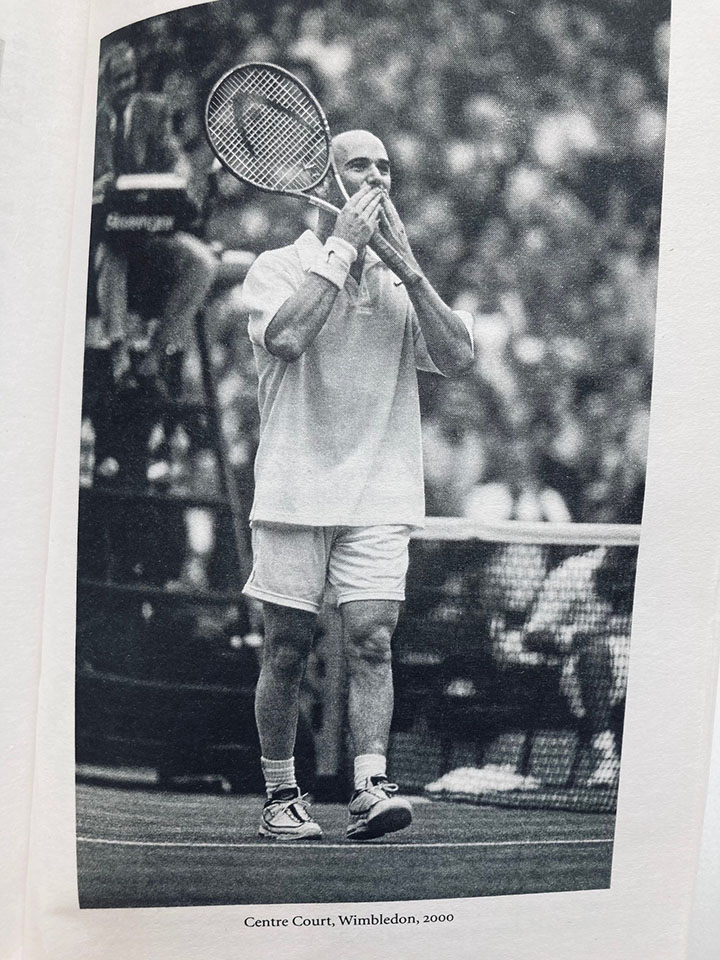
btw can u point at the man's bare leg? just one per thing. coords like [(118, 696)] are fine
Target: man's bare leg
[(195, 268), (189, 269), (595, 677), (368, 627), (112, 297), (288, 638)]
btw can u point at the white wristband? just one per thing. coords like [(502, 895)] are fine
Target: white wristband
[(335, 260)]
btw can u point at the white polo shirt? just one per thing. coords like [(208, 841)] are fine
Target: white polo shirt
[(339, 427)]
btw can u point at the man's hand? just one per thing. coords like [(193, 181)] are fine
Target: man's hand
[(392, 229), (358, 219), (447, 337)]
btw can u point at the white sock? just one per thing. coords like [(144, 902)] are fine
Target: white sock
[(278, 773), (368, 765)]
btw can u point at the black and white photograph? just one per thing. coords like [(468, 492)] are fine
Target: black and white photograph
[(366, 396)]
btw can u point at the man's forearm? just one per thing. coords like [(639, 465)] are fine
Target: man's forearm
[(301, 318), (446, 336)]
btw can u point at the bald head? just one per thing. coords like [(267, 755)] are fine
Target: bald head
[(361, 157), (353, 140)]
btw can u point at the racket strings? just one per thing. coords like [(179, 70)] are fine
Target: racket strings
[(273, 137), (280, 154)]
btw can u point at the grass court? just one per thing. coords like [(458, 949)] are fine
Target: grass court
[(140, 846)]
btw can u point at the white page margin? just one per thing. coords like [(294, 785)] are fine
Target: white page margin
[(646, 912)]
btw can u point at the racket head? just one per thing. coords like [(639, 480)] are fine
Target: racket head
[(267, 129)]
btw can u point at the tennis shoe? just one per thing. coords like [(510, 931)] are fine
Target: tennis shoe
[(375, 811), (286, 817)]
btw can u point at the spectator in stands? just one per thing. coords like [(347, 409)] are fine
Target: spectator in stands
[(582, 613), (521, 494), (458, 445), (538, 133), (134, 135)]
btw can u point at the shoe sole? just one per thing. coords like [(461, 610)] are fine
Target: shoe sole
[(385, 821), (288, 837)]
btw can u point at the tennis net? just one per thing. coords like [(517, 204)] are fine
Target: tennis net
[(511, 663)]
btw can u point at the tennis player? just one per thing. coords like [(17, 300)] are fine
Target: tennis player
[(337, 338)]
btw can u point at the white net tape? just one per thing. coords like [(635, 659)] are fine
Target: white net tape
[(516, 531)]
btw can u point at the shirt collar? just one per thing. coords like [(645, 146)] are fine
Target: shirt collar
[(308, 246)]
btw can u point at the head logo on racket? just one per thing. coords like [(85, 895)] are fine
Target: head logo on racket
[(268, 130)]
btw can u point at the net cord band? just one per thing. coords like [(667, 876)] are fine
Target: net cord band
[(516, 531)]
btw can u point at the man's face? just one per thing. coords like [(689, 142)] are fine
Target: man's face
[(122, 74), (361, 158)]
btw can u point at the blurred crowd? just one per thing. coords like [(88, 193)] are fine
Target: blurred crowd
[(527, 147)]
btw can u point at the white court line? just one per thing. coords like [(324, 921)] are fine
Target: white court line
[(319, 845)]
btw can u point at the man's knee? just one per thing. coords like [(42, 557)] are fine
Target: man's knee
[(288, 639), (195, 256), (368, 641), (286, 657)]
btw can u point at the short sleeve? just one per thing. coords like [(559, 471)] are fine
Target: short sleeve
[(271, 279), (423, 360), (567, 597), (556, 601)]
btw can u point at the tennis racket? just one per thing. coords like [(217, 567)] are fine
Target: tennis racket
[(268, 130)]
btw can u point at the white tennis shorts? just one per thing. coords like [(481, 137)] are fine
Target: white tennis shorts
[(293, 564)]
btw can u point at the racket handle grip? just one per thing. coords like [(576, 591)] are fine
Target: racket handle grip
[(408, 273)]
